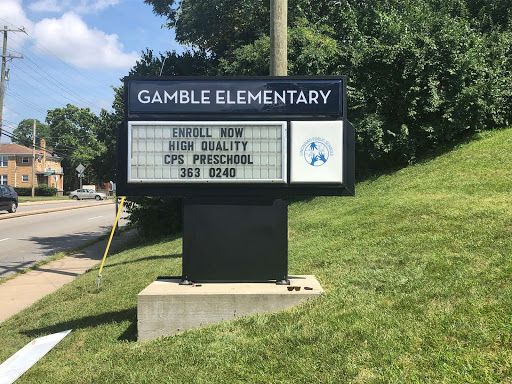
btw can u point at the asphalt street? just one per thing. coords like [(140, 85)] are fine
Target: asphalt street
[(27, 240)]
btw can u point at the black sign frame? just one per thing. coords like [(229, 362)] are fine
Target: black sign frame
[(135, 113)]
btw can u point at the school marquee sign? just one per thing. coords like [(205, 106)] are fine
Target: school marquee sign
[(256, 136)]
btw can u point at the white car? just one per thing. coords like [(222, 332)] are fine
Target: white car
[(80, 194)]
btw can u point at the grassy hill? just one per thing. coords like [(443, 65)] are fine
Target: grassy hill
[(417, 270)]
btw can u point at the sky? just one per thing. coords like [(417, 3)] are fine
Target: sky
[(74, 52)]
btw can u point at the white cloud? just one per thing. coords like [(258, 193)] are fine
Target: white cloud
[(77, 6), (45, 6), (12, 11), (69, 37), (73, 41)]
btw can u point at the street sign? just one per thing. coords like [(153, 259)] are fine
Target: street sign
[(80, 169)]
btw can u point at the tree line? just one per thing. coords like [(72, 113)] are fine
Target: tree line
[(422, 74)]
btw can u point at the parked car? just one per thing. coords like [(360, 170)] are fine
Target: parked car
[(80, 194), (8, 199)]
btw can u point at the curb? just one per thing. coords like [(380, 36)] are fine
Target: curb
[(48, 210)]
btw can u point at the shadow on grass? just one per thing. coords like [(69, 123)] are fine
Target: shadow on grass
[(130, 334), (148, 258)]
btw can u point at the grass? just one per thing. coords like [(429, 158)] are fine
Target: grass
[(24, 199), (418, 277)]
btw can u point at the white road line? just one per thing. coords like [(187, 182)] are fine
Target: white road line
[(96, 217), (4, 239)]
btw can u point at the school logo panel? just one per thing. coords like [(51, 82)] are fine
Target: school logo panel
[(316, 151)]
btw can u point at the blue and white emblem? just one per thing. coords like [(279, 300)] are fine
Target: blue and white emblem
[(316, 151)]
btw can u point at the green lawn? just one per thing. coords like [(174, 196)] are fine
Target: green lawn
[(418, 277), (24, 199)]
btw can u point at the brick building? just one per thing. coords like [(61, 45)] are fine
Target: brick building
[(16, 167)]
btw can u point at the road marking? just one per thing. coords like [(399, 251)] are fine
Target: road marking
[(92, 218), (4, 239)]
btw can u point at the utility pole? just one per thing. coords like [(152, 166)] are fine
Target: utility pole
[(278, 38), (33, 156), (4, 63)]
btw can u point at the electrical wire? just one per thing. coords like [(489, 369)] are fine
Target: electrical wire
[(61, 150), (26, 102), (73, 69), (44, 80)]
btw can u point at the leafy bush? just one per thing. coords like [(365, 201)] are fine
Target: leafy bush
[(155, 216), (23, 191), (42, 190)]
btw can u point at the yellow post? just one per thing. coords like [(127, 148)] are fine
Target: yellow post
[(110, 239)]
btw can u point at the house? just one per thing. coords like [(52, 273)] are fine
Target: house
[(16, 167)]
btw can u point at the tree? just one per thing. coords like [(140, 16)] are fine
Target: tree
[(188, 63), (22, 134), (214, 26), (73, 137), (104, 162), (421, 73)]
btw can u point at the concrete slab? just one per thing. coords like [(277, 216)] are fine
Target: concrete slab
[(166, 308)]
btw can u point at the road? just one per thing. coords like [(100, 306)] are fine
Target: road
[(27, 240), (27, 207)]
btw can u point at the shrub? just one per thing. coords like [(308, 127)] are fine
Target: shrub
[(155, 216), (44, 190), (23, 191)]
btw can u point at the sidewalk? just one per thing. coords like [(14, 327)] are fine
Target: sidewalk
[(24, 290)]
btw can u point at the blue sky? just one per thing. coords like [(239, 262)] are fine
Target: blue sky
[(74, 50)]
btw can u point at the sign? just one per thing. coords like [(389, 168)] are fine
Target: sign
[(316, 152), (198, 151), (270, 137), (80, 169), (269, 96)]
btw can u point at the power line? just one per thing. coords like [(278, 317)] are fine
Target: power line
[(15, 26), (62, 148), (25, 101), (72, 74), (29, 143), (11, 135), (28, 74), (12, 110), (40, 91), (57, 57), (51, 79), (61, 86)]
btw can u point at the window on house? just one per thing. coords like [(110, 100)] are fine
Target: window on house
[(3, 179), (3, 161), (24, 178), (24, 160)]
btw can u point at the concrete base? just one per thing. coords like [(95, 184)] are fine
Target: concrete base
[(166, 308)]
